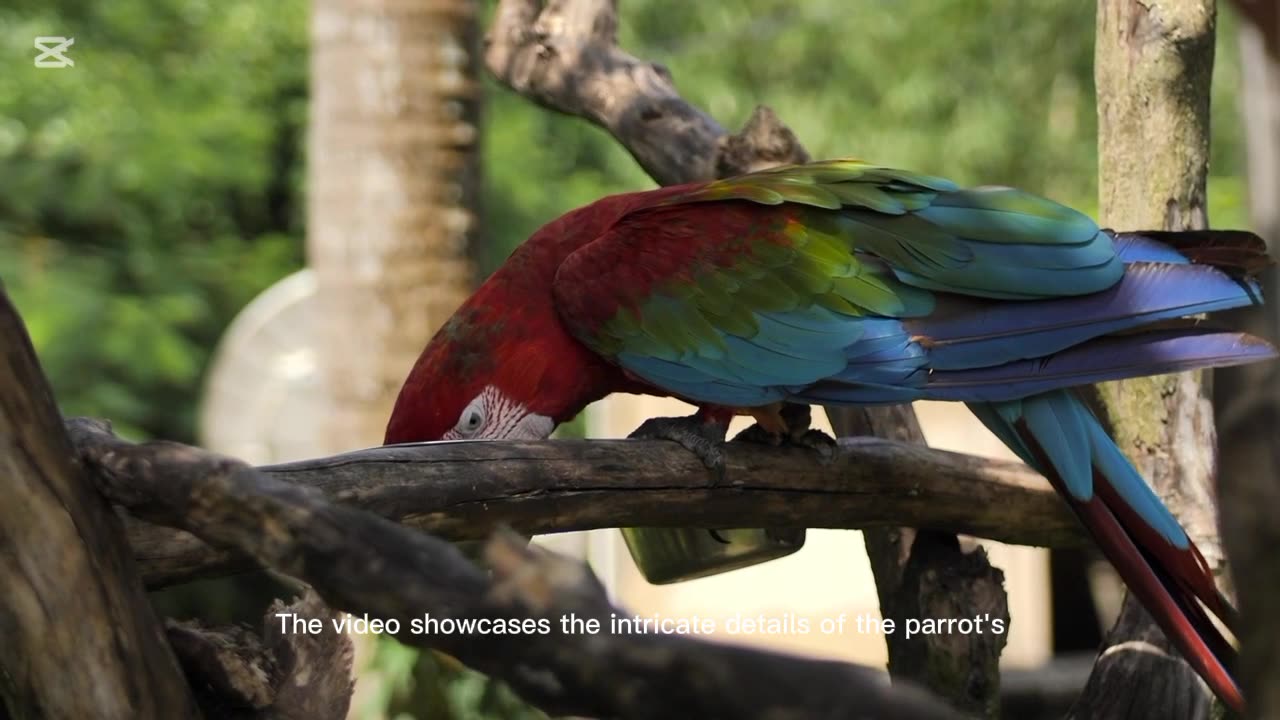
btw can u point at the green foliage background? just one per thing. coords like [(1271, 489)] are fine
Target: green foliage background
[(155, 188), (152, 190)]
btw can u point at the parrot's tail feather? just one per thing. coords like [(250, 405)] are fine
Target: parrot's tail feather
[(1238, 252), (1194, 575), (971, 333), (1108, 358), (1184, 621), (1056, 434)]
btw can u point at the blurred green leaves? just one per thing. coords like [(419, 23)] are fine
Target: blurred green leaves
[(411, 684), (148, 192)]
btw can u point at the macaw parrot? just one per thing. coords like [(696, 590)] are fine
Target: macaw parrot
[(840, 282)]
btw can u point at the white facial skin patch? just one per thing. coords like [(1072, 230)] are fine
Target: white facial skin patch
[(493, 416)]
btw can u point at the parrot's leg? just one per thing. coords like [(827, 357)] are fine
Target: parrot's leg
[(702, 434), (788, 424)]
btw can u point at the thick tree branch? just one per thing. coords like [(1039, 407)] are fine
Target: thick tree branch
[(79, 637), (362, 563), (462, 491)]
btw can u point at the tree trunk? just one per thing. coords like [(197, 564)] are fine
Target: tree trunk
[(78, 638), (393, 182), (1153, 65), (392, 190)]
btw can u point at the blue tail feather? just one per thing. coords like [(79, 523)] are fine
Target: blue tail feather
[(1055, 433), (1075, 442), (1135, 248)]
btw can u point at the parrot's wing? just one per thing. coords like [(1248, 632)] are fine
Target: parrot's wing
[(994, 242), (744, 291)]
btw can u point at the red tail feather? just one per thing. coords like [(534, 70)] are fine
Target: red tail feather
[(1167, 581)]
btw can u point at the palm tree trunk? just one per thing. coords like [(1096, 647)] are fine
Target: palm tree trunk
[(392, 186)]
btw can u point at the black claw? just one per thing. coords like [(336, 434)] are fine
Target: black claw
[(819, 442), (758, 435), (799, 434), (797, 416), (702, 438)]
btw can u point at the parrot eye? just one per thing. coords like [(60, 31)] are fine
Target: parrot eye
[(472, 418)]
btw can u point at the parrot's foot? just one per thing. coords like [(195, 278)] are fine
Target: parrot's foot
[(819, 442), (700, 434), (798, 433)]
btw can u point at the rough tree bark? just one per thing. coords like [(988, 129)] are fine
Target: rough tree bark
[(78, 638), (462, 491), (1153, 65), (1248, 398), (563, 54), (265, 673), (392, 181)]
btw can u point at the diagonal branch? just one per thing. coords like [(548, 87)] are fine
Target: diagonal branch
[(563, 55), (362, 563), (462, 491)]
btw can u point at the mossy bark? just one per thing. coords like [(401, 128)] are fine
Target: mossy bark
[(1153, 65)]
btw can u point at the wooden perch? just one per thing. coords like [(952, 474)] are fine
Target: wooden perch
[(563, 54), (362, 563), (78, 638), (463, 490)]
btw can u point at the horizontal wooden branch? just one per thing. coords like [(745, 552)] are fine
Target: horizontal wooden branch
[(364, 564), (463, 490)]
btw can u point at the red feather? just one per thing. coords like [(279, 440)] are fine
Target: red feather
[(510, 334), (1168, 588)]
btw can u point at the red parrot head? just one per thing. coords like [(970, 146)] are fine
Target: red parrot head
[(505, 367), (474, 381)]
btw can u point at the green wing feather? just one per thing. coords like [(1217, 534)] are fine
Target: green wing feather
[(933, 234), (779, 301)]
